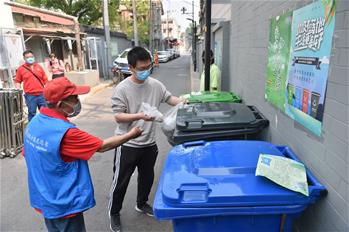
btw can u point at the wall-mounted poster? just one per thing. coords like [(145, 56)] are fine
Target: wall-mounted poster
[(278, 59), (311, 43)]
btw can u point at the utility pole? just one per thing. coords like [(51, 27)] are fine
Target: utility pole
[(194, 38), (151, 27), (208, 45), (168, 30), (107, 34), (80, 64), (135, 30), (193, 32)]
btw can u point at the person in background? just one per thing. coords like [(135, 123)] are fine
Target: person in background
[(215, 75), (140, 153), (56, 153), (55, 66), (156, 58), (68, 67), (34, 78)]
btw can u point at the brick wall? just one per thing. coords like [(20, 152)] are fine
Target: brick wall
[(327, 156)]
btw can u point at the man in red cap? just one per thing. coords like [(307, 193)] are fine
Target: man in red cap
[(56, 153)]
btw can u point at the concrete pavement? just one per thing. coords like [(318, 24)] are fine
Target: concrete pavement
[(97, 119)]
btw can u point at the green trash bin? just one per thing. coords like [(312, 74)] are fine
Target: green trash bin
[(206, 96)]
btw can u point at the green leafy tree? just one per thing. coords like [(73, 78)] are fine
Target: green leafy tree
[(188, 35), (142, 8), (88, 12)]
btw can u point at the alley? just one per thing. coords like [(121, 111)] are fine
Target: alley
[(97, 119)]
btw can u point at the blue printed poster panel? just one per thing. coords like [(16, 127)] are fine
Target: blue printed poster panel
[(311, 43)]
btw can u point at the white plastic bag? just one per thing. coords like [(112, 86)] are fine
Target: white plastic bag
[(169, 124), (151, 111)]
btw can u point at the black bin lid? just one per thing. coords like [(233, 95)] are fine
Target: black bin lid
[(214, 116)]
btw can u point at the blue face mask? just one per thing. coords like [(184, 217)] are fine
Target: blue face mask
[(142, 75), (30, 60)]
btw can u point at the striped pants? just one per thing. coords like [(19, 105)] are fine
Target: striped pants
[(126, 159)]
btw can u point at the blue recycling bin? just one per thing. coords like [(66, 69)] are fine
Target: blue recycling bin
[(211, 186)]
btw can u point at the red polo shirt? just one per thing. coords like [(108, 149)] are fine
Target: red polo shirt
[(31, 84)]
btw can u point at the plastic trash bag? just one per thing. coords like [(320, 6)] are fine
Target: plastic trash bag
[(140, 124), (169, 123), (151, 111)]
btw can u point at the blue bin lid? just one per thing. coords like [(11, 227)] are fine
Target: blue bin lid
[(222, 173)]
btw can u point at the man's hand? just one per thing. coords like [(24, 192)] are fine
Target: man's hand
[(117, 140), (135, 132), (125, 117), (175, 100), (184, 100), (18, 85), (145, 117)]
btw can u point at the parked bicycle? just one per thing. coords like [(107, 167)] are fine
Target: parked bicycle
[(118, 76)]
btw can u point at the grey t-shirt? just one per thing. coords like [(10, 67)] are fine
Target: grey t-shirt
[(128, 97)]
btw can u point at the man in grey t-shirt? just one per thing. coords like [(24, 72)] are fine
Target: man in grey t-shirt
[(142, 151)]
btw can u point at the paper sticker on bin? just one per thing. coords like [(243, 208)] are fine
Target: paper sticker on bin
[(211, 186), (286, 172), (218, 121), (206, 96)]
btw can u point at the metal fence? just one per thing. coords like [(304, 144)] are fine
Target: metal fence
[(11, 122)]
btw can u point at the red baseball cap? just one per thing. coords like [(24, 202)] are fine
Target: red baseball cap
[(61, 88)]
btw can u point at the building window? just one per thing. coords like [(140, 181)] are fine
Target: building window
[(36, 20), (18, 18)]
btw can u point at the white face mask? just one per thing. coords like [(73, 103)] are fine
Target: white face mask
[(76, 109)]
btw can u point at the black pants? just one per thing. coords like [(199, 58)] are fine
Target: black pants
[(126, 160), (73, 224)]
